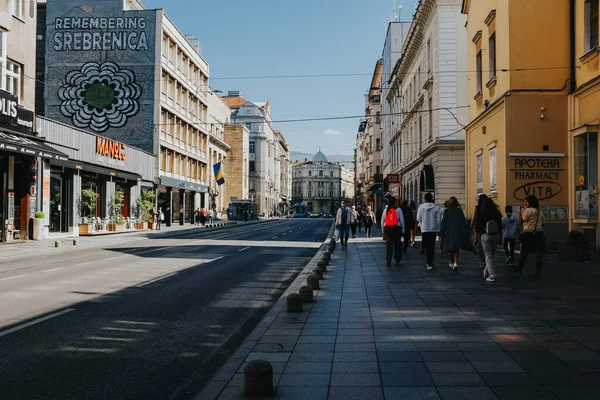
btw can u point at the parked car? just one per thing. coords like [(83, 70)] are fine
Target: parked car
[(315, 214), (327, 214)]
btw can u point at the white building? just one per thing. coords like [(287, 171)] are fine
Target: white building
[(321, 184), (427, 95), (268, 152)]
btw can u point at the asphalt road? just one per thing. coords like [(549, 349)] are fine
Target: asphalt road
[(151, 319)]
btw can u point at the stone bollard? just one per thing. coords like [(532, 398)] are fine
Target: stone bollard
[(294, 302), (318, 272), (57, 243), (307, 294), (258, 379), (75, 242), (322, 265), (312, 281), (326, 256), (321, 268)]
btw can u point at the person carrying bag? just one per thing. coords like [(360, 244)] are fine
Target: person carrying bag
[(532, 238)]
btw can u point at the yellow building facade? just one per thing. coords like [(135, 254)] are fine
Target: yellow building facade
[(584, 121), (519, 74)]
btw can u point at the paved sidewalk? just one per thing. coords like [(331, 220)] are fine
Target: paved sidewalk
[(407, 333)]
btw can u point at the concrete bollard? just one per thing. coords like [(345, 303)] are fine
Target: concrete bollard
[(75, 242), (258, 379), (57, 243), (318, 272), (307, 294), (312, 281), (294, 302), (322, 266), (326, 256), (323, 262)]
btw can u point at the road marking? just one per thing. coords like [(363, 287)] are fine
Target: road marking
[(53, 269), (215, 259), (284, 234), (275, 237), (111, 339), (156, 279), (85, 263), (245, 248), (37, 321), (11, 277), (134, 322), (131, 330)]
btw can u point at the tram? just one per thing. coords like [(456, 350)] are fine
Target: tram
[(300, 211)]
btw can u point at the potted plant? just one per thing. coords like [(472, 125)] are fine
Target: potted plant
[(117, 223), (575, 248), (145, 203), (87, 205), (38, 225)]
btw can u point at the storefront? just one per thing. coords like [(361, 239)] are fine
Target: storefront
[(178, 199), (20, 156), (101, 180)]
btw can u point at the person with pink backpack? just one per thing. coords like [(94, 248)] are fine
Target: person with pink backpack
[(393, 223)]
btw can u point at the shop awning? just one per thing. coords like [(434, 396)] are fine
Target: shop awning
[(29, 146), (96, 169)]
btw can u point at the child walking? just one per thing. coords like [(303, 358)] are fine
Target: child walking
[(510, 228)]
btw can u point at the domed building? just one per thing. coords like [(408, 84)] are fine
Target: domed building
[(321, 184)]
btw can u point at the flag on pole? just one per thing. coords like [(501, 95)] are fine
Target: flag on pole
[(218, 168)]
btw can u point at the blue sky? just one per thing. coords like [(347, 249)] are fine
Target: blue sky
[(281, 37)]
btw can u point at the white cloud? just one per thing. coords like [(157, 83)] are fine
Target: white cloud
[(332, 132)]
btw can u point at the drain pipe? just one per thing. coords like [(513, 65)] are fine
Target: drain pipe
[(573, 54)]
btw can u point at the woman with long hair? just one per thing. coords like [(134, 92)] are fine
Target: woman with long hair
[(532, 221), (479, 247), (487, 230), (453, 230)]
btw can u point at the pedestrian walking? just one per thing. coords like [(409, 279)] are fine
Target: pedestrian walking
[(343, 221), (154, 218), (409, 225), (197, 216), (510, 228), (211, 216), (361, 219), (369, 220), (246, 216), (428, 215), (354, 221), (533, 235), (479, 244), (442, 244), (487, 231), (160, 218), (413, 233), (394, 229), (453, 230)]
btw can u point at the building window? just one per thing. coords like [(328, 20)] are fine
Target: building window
[(377, 144), (591, 21), (252, 147), (378, 170), (492, 50), (479, 71), (430, 119), (378, 117), (429, 56), (17, 9), (249, 126), (309, 173), (586, 175), (320, 174), (12, 77), (331, 175), (252, 166)]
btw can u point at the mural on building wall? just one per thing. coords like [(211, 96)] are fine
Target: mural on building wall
[(102, 63), (100, 96)]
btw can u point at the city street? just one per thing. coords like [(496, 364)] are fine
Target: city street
[(148, 318)]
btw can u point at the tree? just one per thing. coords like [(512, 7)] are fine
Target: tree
[(89, 200), (145, 203)]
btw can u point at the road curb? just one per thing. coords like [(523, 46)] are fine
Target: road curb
[(221, 379)]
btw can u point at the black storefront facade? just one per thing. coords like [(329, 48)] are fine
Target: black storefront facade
[(95, 164), (21, 154)]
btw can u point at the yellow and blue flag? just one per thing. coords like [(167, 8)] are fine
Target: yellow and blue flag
[(218, 168)]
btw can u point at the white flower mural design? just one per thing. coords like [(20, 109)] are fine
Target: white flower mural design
[(100, 96)]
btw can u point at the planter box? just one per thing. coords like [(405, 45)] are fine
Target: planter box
[(86, 229), (141, 225), (116, 228), (574, 250)]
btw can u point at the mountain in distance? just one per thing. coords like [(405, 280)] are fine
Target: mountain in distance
[(296, 156)]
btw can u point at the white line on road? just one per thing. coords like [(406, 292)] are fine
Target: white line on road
[(84, 263), (215, 259), (275, 237), (37, 321), (54, 269), (11, 277), (245, 248), (156, 280), (284, 234)]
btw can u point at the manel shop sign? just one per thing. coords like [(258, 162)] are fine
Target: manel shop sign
[(109, 152), (538, 175)]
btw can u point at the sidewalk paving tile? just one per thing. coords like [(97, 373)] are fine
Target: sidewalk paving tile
[(406, 333)]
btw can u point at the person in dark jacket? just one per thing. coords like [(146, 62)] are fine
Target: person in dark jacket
[(453, 230), (409, 224), (488, 217), (480, 253)]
